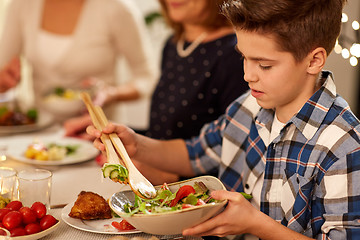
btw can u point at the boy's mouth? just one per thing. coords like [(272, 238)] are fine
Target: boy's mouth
[(256, 93)]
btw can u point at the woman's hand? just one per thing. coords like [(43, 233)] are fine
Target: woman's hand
[(75, 127), (238, 217), (10, 75)]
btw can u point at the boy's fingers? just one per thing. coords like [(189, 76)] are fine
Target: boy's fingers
[(99, 145), (91, 130), (223, 194), (205, 228)]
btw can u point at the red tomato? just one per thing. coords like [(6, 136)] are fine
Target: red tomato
[(14, 205), (32, 228), (29, 216), (123, 225), (183, 191), (3, 212), (39, 208), (19, 231), (47, 221), (12, 220)]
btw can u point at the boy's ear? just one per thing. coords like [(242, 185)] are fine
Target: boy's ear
[(317, 61)]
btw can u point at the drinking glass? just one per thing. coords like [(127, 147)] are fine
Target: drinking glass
[(7, 182), (34, 185)]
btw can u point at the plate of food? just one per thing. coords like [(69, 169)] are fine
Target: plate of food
[(60, 151), (19, 122), (91, 212)]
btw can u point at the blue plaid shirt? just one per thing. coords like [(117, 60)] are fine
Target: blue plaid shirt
[(311, 170)]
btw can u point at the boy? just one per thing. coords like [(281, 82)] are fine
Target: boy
[(291, 141)]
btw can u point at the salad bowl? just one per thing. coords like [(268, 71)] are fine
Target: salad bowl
[(169, 222)]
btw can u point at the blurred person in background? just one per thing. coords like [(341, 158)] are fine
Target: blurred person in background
[(75, 43), (200, 74)]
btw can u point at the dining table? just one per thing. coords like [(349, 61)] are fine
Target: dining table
[(68, 181)]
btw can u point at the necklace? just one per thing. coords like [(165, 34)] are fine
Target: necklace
[(186, 52)]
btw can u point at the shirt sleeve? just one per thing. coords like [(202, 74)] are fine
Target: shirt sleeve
[(11, 37), (205, 150), (131, 40), (338, 200)]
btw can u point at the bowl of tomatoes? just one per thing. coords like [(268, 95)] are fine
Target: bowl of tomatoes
[(177, 206), (27, 222)]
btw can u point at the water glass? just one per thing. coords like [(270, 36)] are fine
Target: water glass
[(3, 152), (34, 185), (7, 182)]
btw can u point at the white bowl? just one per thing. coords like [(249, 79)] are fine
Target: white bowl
[(64, 107), (39, 234), (170, 223)]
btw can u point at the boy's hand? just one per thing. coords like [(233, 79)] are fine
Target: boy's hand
[(127, 136), (10, 75), (238, 217)]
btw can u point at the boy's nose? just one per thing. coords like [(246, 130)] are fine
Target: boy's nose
[(249, 76)]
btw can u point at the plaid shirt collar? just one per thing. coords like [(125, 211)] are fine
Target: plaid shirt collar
[(310, 116)]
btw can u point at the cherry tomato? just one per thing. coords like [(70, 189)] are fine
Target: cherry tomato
[(28, 215), (47, 221), (19, 231), (123, 225), (32, 228), (14, 205), (3, 212), (12, 220), (39, 208)]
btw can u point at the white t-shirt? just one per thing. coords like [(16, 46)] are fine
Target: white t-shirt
[(51, 47)]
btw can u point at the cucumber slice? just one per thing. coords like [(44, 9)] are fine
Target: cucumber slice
[(107, 169), (114, 174)]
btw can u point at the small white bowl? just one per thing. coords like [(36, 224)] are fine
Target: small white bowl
[(170, 223), (60, 106)]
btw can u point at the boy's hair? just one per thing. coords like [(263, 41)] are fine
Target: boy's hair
[(299, 26), (213, 21)]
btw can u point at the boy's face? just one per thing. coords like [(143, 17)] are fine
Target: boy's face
[(276, 80)]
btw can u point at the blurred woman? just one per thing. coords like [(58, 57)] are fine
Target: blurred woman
[(201, 74), (69, 42)]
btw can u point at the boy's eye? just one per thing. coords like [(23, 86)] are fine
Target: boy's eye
[(264, 67)]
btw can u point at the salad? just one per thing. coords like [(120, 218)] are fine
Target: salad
[(186, 196)]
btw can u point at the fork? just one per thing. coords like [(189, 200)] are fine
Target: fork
[(138, 183)]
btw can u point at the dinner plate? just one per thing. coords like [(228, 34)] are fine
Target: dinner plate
[(45, 119), (96, 226), (39, 234), (84, 152)]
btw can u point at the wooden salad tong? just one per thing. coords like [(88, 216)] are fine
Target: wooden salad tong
[(115, 148)]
